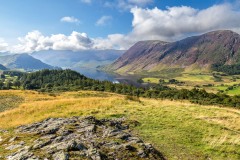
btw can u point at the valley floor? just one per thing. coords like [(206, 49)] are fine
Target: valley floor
[(225, 84), (179, 130)]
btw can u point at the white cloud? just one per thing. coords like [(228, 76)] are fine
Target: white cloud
[(173, 23), (104, 20), (36, 41), (3, 45), (113, 41), (86, 1), (70, 20), (170, 24), (178, 22), (127, 4)]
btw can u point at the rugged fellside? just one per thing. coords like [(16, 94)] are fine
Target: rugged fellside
[(76, 138), (193, 53)]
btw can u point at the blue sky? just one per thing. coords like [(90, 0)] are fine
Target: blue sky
[(104, 24)]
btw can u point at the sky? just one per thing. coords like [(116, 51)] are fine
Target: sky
[(28, 26)]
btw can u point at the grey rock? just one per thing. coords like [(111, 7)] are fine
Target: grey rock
[(134, 139), (40, 144), (94, 154), (20, 155), (142, 154), (87, 138), (60, 156), (13, 139), (12, 147), (15, 146), (3, 131)]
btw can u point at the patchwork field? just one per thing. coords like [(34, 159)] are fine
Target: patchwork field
[(180, 130), (205, 81)]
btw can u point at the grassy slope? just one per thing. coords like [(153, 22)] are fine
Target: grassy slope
[(179, 130), (9, 100)]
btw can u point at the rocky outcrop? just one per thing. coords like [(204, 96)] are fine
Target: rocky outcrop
[(77, 138)]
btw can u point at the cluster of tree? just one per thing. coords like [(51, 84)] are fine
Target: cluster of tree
[(13, 73), (10, 84), (217, 77), (68, 80), (10, 80), (171, 81), (229, 69), (200, 96), (51, 79)]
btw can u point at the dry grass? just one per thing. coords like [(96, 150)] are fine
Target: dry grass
[(180, 130)]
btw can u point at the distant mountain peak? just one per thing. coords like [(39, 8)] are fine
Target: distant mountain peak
[(2, 67), (23, 61), (220, 32), (70, 59)]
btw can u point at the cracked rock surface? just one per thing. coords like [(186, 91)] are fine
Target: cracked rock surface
[(77, 138)]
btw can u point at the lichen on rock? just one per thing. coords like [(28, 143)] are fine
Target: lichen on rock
[(79, 138)]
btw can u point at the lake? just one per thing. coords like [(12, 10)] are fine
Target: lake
[(100, 75), (96, 74)]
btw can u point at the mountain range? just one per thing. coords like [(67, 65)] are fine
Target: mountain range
[(24, 62), (197, 53), (89, 59), (79, 59)]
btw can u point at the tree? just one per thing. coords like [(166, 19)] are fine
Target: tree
[(8, 85), (17, 84), (1, 84)]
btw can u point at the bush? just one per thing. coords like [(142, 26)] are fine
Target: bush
[(132, 98)]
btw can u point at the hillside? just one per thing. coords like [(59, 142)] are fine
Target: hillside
[(179, 130), (2, 67), (84, 59), (23, 61), (193, 53), (68, 80)]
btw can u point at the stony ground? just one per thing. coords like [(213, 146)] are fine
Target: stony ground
[(75, 138)]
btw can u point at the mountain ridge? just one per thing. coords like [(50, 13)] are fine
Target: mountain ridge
[(70, 59), (2, 67), (192, 53), (23, 61)]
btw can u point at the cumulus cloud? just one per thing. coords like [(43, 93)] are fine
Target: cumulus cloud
[(70, 20), (173, 23), (113, 41), (127, 4), (104, 20), (36, 41), (3, 45), (170, 24), (177, 22)]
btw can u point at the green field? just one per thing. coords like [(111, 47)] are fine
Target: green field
[(151, 80), (195, 78), (201, 81), (203, 78), (180, 130), (235, 91)]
